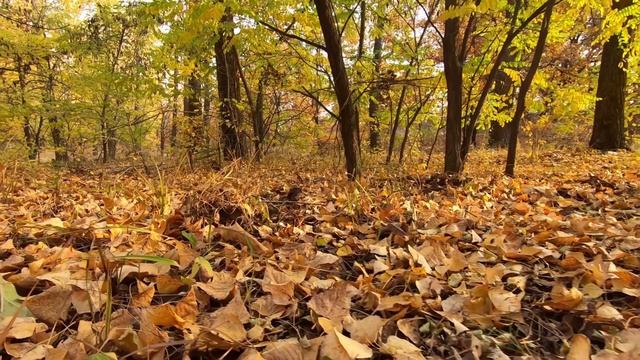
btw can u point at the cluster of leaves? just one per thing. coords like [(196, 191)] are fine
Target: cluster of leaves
[(304, 267)]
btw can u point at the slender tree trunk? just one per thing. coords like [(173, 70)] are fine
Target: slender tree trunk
[(376, 95), (258, 119), (104, 134), (206, 115), (29, 135), (608, 122), (228, 91), (524, 88), (193, 113), (453, 76), (396, 123), (59, 145), (500, 58), (347, 114), (163, 132), (174, 111)]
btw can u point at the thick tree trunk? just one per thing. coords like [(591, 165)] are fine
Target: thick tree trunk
[(453, 76), (112, 144), (228, 91), (499, 134), (524, 88), (608, 121), (347, 113)]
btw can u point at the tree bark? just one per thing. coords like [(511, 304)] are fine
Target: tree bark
[(193, 112), (499, 134), (228, 91), (453, 76), (376, 94), (524, 88), (59, 145), (608, 122), (347, 114), (174, 111)]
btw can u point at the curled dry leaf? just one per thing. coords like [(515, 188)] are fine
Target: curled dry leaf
[(145, 294), (237, 235), (400, 302), (580, 348), (563, 298)]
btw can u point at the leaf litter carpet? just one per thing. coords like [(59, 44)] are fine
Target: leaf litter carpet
[(293, 262)]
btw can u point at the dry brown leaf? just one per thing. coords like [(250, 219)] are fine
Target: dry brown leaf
[(410, 328), (401, 349), (145, 294), (265, 306), (365, 330), (336, 346), (288, 349), (279, 285), (168, 284), (27, 350), (21, 327), (219, 287), (51, 305), (580, 348), (187, 307), (504, 301), (85, 333), (334, 303), (400, 302), (563, 298), (251, 354), (237, 235)]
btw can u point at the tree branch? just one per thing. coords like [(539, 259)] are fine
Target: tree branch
[(292, 36)]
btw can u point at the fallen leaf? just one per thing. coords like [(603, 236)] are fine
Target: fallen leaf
[(580, 348), (51, 305)]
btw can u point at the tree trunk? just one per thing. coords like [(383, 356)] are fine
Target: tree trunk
[(174, 111), (608, 121), (258, 119), (499, 134), (206, 114), (376, 95), (524, 88), (228, 90), (347, 113), (193, 112), (112, 143), (395, 124), (453, 76), (162, 133)]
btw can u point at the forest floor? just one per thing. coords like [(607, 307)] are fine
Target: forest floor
[(291, 261)]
